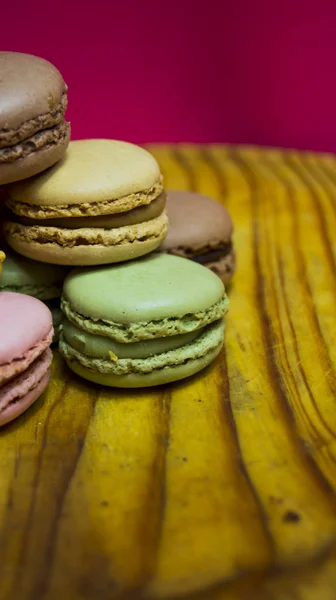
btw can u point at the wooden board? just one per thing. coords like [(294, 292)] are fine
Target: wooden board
[(217, 488)]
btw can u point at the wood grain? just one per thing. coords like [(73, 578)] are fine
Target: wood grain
[(221, 487)]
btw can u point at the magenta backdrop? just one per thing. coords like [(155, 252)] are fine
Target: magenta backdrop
[(251, 71)]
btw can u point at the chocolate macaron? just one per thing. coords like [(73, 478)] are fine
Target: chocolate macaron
[(200, 229), (33, 100), (103, 203)]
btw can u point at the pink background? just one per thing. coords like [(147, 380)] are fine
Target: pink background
[(251, 71)]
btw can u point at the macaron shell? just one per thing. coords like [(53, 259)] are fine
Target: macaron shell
[(156, 287), (91, 171), (102, 246), (195, 221), (16, 409), (137, 380), (34, 163)]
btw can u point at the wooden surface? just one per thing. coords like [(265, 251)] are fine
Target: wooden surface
[(218, 488)]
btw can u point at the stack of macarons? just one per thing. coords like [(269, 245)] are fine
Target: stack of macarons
[(34, 135), (136, 311)]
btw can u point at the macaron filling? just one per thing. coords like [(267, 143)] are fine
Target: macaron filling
[(154, 230), (24, 383), (212, 255), (11, 137), (99, 346), (18, 406), (146, 330), (21, 363), (39, 140), (208, 339), (134, 216), (205, 255), (86, 209)]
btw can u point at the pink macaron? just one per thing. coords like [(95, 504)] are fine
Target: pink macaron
[(26, 333)]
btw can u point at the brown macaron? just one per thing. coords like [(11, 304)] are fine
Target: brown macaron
[(200, 229), (33, 100)]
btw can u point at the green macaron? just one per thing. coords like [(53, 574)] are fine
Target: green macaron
[(142, 323), (26, 276)]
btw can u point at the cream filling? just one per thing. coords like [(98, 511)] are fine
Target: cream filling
[(130, 217), (99, 346), (209, 338)]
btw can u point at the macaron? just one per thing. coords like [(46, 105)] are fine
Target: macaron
[(25, 356), (200, 229), (142, 323), (26, 276), (103, 203), (33, 100)]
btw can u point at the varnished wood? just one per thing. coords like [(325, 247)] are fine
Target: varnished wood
[(217, 488)]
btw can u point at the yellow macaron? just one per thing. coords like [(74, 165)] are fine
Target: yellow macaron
[(103, 203)]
